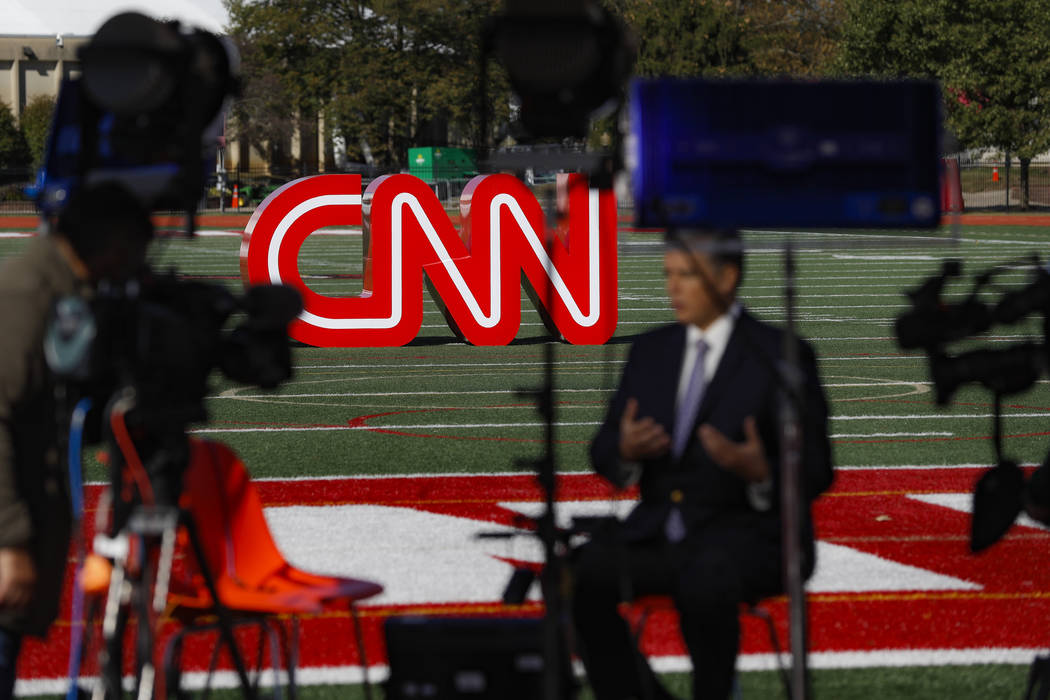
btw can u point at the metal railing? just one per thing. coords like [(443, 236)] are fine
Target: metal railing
[(985, 185), (998, 185)]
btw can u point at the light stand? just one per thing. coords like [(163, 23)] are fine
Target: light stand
[(566, 60), (792, 490)]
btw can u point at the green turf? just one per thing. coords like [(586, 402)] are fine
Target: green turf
[(849, 294), (982, 682)]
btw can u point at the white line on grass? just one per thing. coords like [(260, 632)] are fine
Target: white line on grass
[(871, 435), (350, 675), (231, 393), (949, 416), (464, 365), (596, 361), (910, 467), (486, 426)]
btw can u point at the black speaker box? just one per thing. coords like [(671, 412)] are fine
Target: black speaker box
[(460, 657)]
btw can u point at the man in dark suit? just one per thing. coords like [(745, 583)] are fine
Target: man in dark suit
[(695, 422)]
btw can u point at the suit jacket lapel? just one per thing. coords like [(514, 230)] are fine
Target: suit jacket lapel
[(665, 377)]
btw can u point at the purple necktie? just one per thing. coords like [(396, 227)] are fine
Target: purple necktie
[(687, 409), (674, 526)]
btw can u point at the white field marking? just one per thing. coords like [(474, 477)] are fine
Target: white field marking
[(747, 297), (848, 256), (464, 365), (654, 323), (839, 568), (322, 429), (374, 477), (963, 502), (767, 308), (402, 541), (596, 361), (532, 425), (842, 339), (828, 385), (232, 393), (813, 287), (377, 477), (393, 544), (911, 467), (391, 426), (884, 658), (867, 435), (866, 358), (949, 416), (502, 474), (502, 426), (832, 660), (15, 234)]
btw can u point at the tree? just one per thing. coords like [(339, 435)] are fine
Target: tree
[(286, 67), (792, 37), (686, 37), (732, 37), (992, 58), (14, 154), (379, 71), (36, 124)]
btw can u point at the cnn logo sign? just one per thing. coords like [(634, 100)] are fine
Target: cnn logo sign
[(473, 273)]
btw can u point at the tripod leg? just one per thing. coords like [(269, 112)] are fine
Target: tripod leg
[(223, 615), (361, 650), (114, 622)]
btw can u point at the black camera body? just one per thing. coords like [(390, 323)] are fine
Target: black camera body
[(145, 112), (143, 120), (932, 324)]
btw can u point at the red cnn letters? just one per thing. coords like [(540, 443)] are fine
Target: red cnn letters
[(473, 274)]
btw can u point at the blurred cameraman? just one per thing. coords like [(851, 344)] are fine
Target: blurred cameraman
[(102, 234)]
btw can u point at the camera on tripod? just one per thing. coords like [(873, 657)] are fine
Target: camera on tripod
[(138, 130), (932, 324), (145, 115)]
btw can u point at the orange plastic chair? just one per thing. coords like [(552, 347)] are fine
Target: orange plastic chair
[(252, 578)]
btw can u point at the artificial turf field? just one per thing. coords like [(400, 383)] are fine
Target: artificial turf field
[(430, 436)]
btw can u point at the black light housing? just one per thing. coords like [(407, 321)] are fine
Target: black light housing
[(566, 60)]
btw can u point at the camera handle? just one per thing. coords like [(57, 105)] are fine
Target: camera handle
[(152, 526)]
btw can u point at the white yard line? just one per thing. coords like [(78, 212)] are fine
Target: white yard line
[(348, 675)]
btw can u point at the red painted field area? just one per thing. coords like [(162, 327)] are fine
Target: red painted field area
[(895, 573)]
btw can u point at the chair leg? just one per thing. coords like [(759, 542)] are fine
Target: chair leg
[(648, 692), (265, 628), (289, 655), (293, 659), (173, 665), (774, 641), (361, 650)]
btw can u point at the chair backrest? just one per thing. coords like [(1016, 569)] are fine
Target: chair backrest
[(220, 496)]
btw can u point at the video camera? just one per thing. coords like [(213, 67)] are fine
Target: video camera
[(932, 324), (145, 116), (136, 132), (146, 112)]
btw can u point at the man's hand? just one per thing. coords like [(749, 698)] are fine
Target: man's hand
[(746, 459), (17, 578), (641, 438)]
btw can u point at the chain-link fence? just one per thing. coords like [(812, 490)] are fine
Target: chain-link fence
[(997, 184), (984, 185)]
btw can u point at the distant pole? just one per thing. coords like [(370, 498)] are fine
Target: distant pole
[(1007, 179)]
